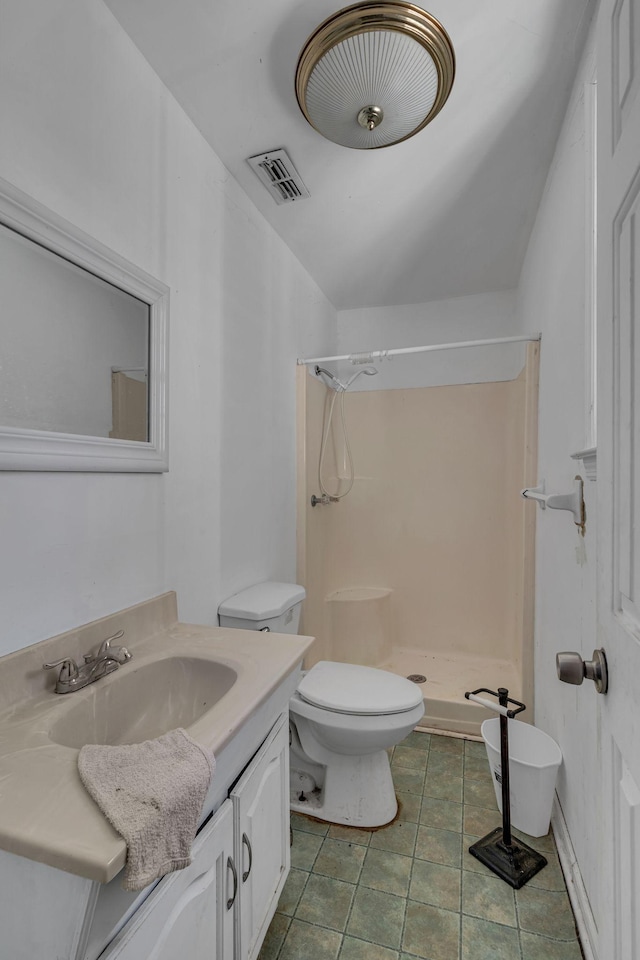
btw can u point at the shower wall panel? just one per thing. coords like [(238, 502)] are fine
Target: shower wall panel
[(434, 515)]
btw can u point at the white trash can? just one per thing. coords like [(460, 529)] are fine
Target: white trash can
[(534, 760)]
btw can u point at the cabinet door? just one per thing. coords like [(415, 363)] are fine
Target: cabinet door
[(261, 808), (189, 915)]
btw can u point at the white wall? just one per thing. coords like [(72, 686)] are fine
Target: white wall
[(480, 317), (90, 131), (553, 295)]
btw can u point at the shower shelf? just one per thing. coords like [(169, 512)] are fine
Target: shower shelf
[(358, 594), (360, 624)]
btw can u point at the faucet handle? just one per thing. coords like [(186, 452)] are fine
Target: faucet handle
[(119, 654), (68, 668), (105, 646)]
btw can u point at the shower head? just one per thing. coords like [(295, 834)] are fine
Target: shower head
[(338, 384), (321, 372), (369, 371)]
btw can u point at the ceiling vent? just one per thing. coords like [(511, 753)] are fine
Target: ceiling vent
[(279, 176)]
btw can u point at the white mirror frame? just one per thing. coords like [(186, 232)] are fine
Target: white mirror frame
[(22, 449)]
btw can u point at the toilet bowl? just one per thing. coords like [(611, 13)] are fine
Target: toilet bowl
[(343, 719)]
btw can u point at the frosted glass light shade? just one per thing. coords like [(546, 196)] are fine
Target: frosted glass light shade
[(392, 62)]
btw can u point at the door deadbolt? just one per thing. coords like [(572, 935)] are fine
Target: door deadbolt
[(573, 669)]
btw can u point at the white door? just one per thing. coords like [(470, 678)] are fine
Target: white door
[(618, 278)]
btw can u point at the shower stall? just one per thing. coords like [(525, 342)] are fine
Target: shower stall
[(425, 567)]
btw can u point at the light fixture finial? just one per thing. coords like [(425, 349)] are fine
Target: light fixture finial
[(370, 117)]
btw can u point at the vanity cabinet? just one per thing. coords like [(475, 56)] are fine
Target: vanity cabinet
[(186, 915), (219, 908), (262, 839)]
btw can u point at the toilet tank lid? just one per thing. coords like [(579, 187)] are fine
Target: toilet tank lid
[(351, 688), (262, 601)]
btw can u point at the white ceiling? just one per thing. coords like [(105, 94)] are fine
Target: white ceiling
[(447, 213)]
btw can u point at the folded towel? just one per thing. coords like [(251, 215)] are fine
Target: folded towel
[(152, 793)]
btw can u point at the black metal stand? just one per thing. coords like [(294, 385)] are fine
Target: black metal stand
[(513, 861)]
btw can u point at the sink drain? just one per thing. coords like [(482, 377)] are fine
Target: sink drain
[(417, 678)]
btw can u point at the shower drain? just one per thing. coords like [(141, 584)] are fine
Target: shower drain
[(417, 678)]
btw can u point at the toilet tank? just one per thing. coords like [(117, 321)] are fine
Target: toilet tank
[(264, 606)]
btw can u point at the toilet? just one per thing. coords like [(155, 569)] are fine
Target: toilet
[(343, 719)]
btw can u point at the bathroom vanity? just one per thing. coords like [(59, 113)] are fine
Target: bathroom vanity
[(60, 859)]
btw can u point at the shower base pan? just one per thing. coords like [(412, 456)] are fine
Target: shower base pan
[(449, 675)]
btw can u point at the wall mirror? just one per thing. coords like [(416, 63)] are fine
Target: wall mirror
[(83, 349)]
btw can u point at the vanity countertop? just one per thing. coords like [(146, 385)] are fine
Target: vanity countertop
[(45, 812)]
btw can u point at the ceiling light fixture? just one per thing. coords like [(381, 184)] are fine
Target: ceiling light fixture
[(375, 74)]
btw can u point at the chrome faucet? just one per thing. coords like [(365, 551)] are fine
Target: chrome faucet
[(96, 665)]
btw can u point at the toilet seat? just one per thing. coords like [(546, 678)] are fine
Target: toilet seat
[(357, 690)]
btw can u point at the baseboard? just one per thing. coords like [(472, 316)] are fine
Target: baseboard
[(585, 921), (443, 732)]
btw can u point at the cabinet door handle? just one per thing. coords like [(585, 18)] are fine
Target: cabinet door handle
[(231, 866), (247, 844)]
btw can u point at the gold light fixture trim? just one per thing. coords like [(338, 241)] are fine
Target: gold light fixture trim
[(375, 73)]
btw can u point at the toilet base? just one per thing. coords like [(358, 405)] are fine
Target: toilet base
[(356, 792)]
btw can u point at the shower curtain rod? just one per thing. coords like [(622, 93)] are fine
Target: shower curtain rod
[(384, 354)]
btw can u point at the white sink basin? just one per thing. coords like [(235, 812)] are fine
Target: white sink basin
[(139, 703)]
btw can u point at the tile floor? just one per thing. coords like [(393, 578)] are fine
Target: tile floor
[(412, 890)]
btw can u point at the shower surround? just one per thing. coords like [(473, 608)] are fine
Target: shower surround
[(427, 566)]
